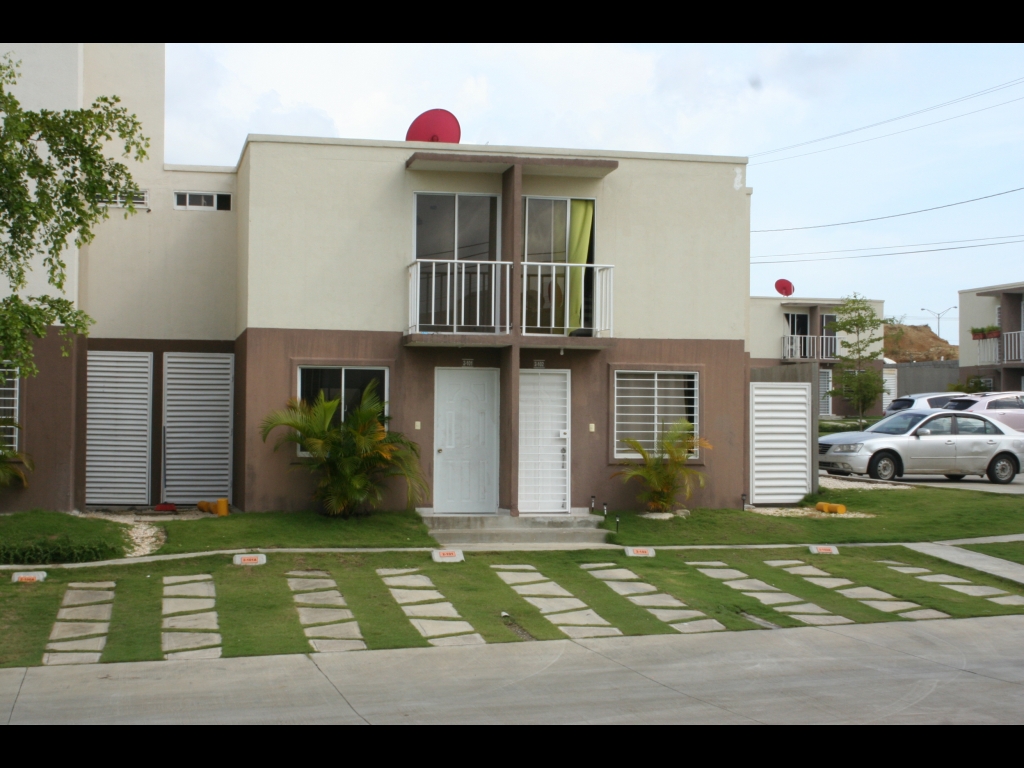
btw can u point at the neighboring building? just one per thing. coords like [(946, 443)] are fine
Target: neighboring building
[(998, 361), (787, 329), (521, 309)]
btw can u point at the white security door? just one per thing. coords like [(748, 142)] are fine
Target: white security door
[(824, 386), (198, 411), (466, 440), (780, 442), (544, 441), (118, 431)]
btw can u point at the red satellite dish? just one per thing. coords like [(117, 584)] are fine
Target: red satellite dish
[(435, 125), (784, 287)]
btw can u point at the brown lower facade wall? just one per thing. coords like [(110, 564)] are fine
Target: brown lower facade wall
[(1005, 378), (266, 479)]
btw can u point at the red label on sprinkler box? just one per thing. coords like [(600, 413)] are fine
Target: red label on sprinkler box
[(250, 559), (639, 551), (821, 549), (28, 577), (447, 556)]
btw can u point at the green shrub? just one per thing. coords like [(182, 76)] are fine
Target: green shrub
[(59, 549)]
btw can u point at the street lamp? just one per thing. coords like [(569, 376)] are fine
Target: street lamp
[(938, 318)]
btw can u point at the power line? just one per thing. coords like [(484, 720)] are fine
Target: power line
[(883, 247), (876, 255), (993, 89), (886, 135), (892, 216)]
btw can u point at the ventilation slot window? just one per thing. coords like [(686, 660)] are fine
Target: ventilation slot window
[(201, 201)]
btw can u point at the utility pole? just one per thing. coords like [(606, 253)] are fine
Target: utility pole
[(938, 318)]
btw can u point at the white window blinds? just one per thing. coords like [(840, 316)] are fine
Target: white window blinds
[(647, 402), (9, 408)]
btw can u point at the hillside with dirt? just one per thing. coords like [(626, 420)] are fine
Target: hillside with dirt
[(909, 343)]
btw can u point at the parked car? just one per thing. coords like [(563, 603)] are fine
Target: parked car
[(927, 442), (1007, 407), (922, 400)]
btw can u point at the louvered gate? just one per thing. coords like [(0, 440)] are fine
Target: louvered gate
[(198, 406), (544, 443), (118, 431), (780, 442)]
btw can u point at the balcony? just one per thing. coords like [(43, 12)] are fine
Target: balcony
[(562, 299), (809, 347), (459, 297), (988, 351), (1013, 347)]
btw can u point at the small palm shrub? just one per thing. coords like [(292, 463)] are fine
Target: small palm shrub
[(664, 472), (352, 460), (13, 464)]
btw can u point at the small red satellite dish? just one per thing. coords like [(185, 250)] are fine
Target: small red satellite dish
[(435, 125), (784, 287)]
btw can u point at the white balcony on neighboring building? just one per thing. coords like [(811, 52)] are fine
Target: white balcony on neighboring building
[(988, 351), (809, 347), (459, 296), (567, 299), (1013, 347)]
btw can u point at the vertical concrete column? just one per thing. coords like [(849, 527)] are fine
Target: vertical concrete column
[(511, 250)]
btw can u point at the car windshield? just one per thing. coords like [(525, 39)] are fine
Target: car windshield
[(897, 424), (901, 405), (959, 405)]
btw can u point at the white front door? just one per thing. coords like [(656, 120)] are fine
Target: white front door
[(466, 440), (544, 441)]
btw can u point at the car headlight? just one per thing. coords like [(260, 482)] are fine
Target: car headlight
[(848, 448)]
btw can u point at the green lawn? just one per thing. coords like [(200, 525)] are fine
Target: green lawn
[(295, 529), (1010, 550), (921, 514), (257, 615), (41, 537)]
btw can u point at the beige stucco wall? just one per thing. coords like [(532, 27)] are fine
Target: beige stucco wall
[(330, 235), (975, 312), (768, 322)]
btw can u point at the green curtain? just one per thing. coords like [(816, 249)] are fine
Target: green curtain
[(581, 220)]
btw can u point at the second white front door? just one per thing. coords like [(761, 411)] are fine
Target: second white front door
[(466, 441), (544, 441)]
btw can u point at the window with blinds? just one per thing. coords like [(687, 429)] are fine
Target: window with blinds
[(9, 408), (648, 402)]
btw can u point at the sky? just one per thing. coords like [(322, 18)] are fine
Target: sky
[(738, 100)]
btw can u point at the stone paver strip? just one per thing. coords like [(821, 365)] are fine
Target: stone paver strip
[(92, 585), (426, 608), (554, 604), (187, 605), (801, 608), (614, 574), (925, 613), (866, 593), (99, 612), (670, 615), (704, 625), (591, 566), (944, 578), (336, 625), (196, 589), (890, 562), (783, 563), (774, 598), (90, 644), (723, 573), (86, 596), (657, 601), (202, 653), (183, 579), (1008, 600), (755, 585), (570, 614), (57, 659), (631, 587), (907, 569), (582, 633), (587, 616), (520, 577), (712, 563), (806, 570), (206, 620), (829, 583), (88, 606), (817, 620), (661, 606), (975, 590), (542, 589), (890, 606), (187, 641)]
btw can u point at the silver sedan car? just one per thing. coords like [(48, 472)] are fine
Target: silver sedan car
[(926, 442)]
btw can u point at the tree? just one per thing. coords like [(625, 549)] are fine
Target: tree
[(857, 381), (55, 185), (352, 460)]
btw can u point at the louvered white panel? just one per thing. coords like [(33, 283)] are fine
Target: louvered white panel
[(889, 380), (780, 442), (198, 410), (824, 387), (118, 433), (544, 441)]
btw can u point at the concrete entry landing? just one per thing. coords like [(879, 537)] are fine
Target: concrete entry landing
[(455, 530)]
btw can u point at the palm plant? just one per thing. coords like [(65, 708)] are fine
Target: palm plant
[(664, 471), (352, 460), (13, 464)]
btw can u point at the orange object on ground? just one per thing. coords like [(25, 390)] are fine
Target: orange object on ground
[(839, 509), (222, 508), (822, 506), (205, 506)]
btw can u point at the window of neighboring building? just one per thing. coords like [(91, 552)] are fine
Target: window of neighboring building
[(9, 408), (202, 201), (463, 227), (647, 402), (139, 200), (343, 383)]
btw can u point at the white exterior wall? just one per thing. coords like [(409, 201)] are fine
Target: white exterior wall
[(330, 235), (768, 322), (975, 312)]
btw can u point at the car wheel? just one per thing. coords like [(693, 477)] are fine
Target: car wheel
[(1002, 470), (954, 478), (883, 466), (838, 473)]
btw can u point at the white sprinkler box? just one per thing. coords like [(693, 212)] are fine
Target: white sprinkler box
[(28, 577), (250, 560), (639, 551), (447, 555), (822, 549)]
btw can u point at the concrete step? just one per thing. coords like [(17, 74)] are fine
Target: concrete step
[(507, 522), (531, 535)]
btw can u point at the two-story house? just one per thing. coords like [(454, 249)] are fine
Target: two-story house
[(998, 357), (522, 310)]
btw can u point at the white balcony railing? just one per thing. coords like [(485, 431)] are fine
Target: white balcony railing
[(829, 346), (567, 299), (799, 347), (459, 296), (988, 351), (1013, 347)]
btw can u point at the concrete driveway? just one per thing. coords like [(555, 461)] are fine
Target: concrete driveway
[(973, 483), (952, 671)]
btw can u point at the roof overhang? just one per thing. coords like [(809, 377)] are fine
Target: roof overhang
[(457, 162)]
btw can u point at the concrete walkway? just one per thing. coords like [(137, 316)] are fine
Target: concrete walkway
[(949, 671), (995, 566), (973, 483)]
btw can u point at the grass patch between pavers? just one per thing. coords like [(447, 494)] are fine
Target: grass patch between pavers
[(1007, 550), (919, 514), (401, 528)]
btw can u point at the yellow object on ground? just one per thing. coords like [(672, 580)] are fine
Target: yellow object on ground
[(832, 509), (222, 508), (205, 506), (822, 506)]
